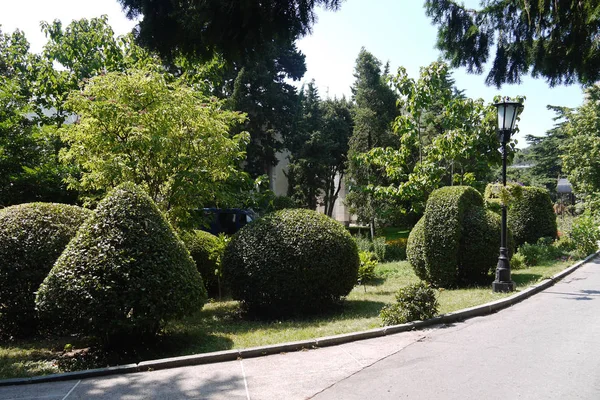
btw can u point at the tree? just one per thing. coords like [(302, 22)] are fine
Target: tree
[(318, 149), (581, 151), (374, 111), (259, 89), (143, 127), (237, 29), (445, 139), (556, 39)]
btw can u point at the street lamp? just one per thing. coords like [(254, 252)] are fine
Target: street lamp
[(507, 116)]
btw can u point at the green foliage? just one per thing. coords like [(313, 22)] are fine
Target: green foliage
[(585, 233), (527, 36), (32, 236), (366, 269), (416, 302), (318, 148), (165, 137), (517, 261), (379, 248), (206, 249), (291, 262), (283, 202), (123, 275), (239, 30), (363, 243), (532, 253), (374, 112), (445, 139), (456, 241), (396, 249), (531, 216)]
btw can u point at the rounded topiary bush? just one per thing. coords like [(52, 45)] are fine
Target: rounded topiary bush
[(204, 248), (32, 236), (531, 216), (457, 240), (123, 274), (291, 262)]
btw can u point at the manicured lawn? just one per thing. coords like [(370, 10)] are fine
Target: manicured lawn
[(220, 325), (392, 233)]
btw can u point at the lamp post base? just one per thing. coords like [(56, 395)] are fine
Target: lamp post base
[(503, 287)]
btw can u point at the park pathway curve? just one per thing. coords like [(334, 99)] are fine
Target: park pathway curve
[(546, 347)]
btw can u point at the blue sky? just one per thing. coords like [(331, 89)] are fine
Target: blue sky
[(393, 30)]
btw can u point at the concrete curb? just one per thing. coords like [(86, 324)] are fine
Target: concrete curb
[(232, 355)]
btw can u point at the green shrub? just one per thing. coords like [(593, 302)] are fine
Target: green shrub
[(32, 236), (457, 240), (565, 244), (396, 249), (205, 248), (416, 302), (531, 216), (532, 254), (123, 275), (291, 262), (363, 243), (585, 234), (379, 248), (517, 261), (366, 269)]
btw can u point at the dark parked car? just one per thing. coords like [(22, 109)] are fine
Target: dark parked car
[(226, 220)]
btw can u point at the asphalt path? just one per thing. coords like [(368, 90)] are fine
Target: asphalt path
[(546, 347)]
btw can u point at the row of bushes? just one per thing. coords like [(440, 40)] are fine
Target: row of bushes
[(121, 270)]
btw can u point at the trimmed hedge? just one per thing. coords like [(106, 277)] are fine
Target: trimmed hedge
[(32, 236), (457, 241), (531, 216), (291, 262), (204, 248), (123, 274)]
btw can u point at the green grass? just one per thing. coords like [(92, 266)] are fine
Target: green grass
[(392, 233), (220, 325)]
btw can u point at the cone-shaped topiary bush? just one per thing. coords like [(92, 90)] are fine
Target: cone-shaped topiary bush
[(291, 262), (123, 274), (32, 236), (457, 241)]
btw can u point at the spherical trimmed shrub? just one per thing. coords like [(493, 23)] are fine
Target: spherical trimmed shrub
[(457, 240), (123, 274), (531, 216), (204, 247), (291, 262), (32, 236)]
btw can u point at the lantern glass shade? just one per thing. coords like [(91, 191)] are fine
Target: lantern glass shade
[(507, 115)]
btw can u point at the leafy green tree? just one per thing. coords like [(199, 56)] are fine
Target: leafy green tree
[(456, 144), (556, 39), (581, 151), (374, 111), (143, 127), (237, 29)]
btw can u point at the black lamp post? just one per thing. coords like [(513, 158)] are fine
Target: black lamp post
[(507, 116)]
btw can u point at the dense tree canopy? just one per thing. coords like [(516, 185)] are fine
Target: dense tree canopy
[(236, 29), (556, 40)]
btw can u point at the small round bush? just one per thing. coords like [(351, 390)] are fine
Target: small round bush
[(531, 216), (366, 269), (291, 262), (416, 302), (123, 274), (585, 234), (32, 236), (204, 248)]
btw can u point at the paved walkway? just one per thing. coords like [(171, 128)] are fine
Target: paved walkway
[(547, 347)]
